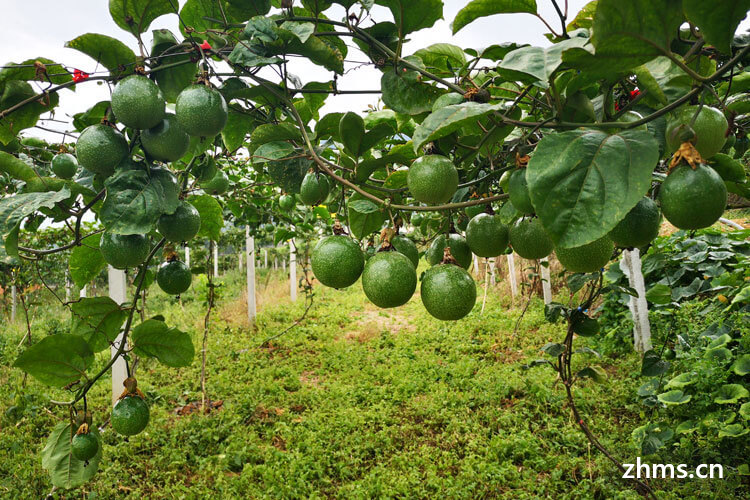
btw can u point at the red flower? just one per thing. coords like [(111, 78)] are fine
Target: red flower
[(634, 93), (205, 45), (79, 76)]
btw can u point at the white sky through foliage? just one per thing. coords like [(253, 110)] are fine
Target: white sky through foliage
[(40, 28)]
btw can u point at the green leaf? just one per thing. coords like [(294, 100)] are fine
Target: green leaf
[(25, 70), (596, 373), (237, 127), (13, 209), (134, 202), (91, 116), (66, 471), (328, 126), (175, 79), (682, 380), (169, 186), (86, 261), (301, 30), (272, 151), (730, 393), (212, 216), (270, 132), (674, 397), (250, 58), (742, 365), (363, 206), (719, 341), (351, 131), (583, 182), (413, 15), (659, 294), (720, 355), (553, 349), (135, 16), (56, 360), (733, 430), (442, 57), (635, 31), (727, 167), (14, 92), (97, 320), (17, 169), (745, 411), (404, 94), (288, 174), (363, 224), (451, 118), (717, 21), (282, 235), (482, 8), (193, 13), (172, 347), (653, 365), (109, 52), (537, 64)]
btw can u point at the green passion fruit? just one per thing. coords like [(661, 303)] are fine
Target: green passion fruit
[(529, 239), (180, 226), (166, 141), (693, 198), (337, 261), (486, 235), (219, 184), (201, 111), (389, 279), (64, 165), (448, 292), (205, 169), (174, 277), (123, 251), (314, 189), (137, 102), (84, 447), (432, 179), (639, 227), (459, 250), (130, 416), (587, 258), (287, 202), (710, 129), (100, 148)]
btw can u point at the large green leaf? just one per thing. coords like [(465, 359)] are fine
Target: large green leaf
[(674, 397), (109, 52), (442, 57), (717, 21), (56, 360), (367, 221), (14, 92), (170, 346), (537, 64), (635, 31), (91, 116), (351, 131), (288, 174), (26, 70), (86, 261), (194, 12), (730, 393), (135, 200), (237, 127), (16, 168), (272, 151), (97, 320), (66, 471), (583, 182), (742, 365), (448, 119), (174, 80), (482, 8), (404, 93), (413, 15), (13, 209), (135, 16), (271, 132), (212, 216)]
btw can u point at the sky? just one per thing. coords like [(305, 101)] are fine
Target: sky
[(40, 28)]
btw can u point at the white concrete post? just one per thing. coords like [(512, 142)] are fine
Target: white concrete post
[(187, 256), (118, 293), (216, 259), (283, 265), (250, 253), (265, 258), (491, 263), (13, 298), (631, 266), (292, 271), (512, 276), (476, 265), (82, 293), (546, 283), (67, 286), (239, 260), (275, 263)]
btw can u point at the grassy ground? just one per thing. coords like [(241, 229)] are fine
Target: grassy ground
[(355, 402)]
